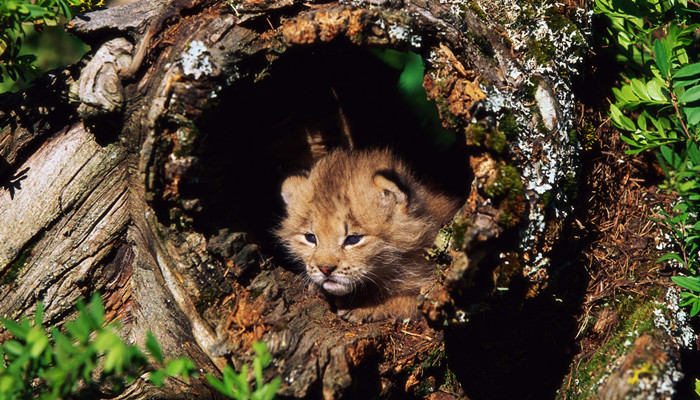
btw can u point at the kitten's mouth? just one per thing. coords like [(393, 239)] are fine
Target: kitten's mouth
[(334, 287)]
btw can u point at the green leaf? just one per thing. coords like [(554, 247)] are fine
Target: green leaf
[(671, 256), (639, 88), (64, 347), (65, 9), (37, 341), (182, 366), (79, 328), (628, 94), (157, 377), (654, 90), (688, 71), (9, 384), (695, 309), (36, 12), (661, 58), (690, 283), (17, 330), (258, 371), (97, 310), (14, 348), (692, 114), (690, 95), (116, 358), (219, 386), (620, 120), (39, 314), (153, 347)]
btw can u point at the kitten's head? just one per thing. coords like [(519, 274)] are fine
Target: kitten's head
[(352, 222)]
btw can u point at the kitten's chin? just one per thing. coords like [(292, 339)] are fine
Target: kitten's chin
[(335, 288)]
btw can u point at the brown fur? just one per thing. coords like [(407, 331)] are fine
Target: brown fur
[(372, 194)]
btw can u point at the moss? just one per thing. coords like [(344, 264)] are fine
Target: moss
[(546, 198), (496, 141), (587, 135), (478, 135), (507, 218), (482, 44), (530, 88), (436, 375), (474, 134), (449, 120), (439, 251), (508, 187), (507, 124), (526, 16), (14, 269), (459, 231), (558, 22), (477, 10), (506, 41), (507, 183), (186, 138), (539, 125), (571, 186), (636, 318), (542, 50)]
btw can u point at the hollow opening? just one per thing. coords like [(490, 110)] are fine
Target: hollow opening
[(258, 135)]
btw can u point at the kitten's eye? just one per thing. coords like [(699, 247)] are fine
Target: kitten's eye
[(310, 237), (352, 239)]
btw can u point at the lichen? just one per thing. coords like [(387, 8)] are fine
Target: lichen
[(195, 61), (186, 137)]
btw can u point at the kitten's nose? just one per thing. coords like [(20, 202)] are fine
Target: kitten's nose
[(327, 270)]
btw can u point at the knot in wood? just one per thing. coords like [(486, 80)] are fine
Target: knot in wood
[(99, 89)]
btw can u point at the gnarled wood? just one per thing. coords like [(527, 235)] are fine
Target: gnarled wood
[(151, 191)]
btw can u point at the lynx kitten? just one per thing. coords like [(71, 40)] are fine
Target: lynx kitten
[(360, 221)]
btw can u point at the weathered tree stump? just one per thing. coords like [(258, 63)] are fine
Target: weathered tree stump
[(157, 183)]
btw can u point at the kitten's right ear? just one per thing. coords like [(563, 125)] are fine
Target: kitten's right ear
[(292, 187), (391, 186)]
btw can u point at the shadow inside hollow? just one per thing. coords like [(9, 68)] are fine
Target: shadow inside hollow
[(522, 349), (258, 135)]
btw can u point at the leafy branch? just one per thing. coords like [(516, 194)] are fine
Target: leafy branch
[(17, 14), (658, 108), (88, 357)]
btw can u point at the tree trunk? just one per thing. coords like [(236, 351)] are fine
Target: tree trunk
[(150, 173)]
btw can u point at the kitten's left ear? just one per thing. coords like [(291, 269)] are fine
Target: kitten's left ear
[(392, 188), (292, 186)]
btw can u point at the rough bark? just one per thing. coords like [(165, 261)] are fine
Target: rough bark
[(154, 187)]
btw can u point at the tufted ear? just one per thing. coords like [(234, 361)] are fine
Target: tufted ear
[(392, 189), (292, 187)]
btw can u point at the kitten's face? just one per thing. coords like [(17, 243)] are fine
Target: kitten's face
[(346, 222), (349, 222), (341, 236), (340, 254)]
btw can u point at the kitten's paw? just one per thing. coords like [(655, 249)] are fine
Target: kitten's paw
[(359, 315)]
